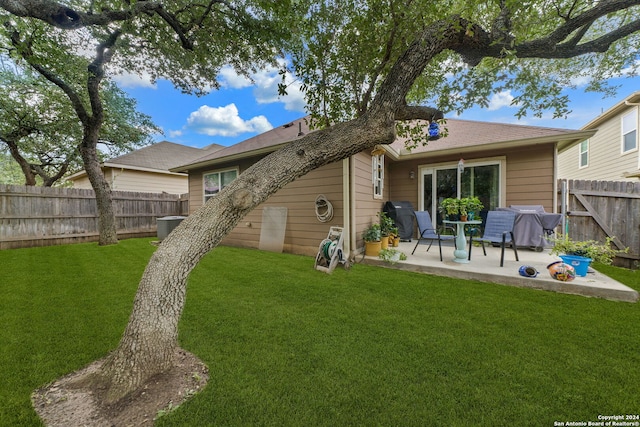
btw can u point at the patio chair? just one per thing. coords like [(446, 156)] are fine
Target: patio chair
[(497, 230), (427, 232)]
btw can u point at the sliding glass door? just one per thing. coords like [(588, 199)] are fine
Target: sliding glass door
[(481, 180)]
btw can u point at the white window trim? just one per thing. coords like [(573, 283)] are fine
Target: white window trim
[(634, 114), (580, 153), (218, 171), (377, 175), (501, 161)]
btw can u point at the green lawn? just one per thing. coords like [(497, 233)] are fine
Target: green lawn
[(289, 346)]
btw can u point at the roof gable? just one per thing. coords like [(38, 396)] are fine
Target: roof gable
[(628, 102)]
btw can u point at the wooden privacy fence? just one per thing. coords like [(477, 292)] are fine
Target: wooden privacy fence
[(600, 209), (41, 216)]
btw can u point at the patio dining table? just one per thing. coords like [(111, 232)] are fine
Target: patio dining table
[(460, 253)]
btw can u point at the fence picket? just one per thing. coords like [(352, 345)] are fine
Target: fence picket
[(41, 216), (601, 209)]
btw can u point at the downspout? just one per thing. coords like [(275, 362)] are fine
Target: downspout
[(352, 206), (346, 210), (555, 178)]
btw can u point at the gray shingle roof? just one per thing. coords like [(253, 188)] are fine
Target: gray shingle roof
[(462, 135), (266, 141), (468, 133), (163, 155)]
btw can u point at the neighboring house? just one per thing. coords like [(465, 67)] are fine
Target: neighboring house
[(612, 153), (503, 165), (147, 169)]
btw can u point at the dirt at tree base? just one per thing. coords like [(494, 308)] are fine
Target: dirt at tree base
[(64, 403)]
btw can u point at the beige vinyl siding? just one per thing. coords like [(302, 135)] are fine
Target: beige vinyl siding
[(139, 181), (304, 231), (606, 160), (82, 183), (366, 206), (530, 179), (404, 188)]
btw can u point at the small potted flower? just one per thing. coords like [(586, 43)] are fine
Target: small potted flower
[(470, 206)]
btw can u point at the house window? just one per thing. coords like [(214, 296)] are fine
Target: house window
[(629, 132), (377, 167), (584, 154), (216, 181)]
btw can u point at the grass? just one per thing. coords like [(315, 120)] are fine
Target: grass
[(287, 345)]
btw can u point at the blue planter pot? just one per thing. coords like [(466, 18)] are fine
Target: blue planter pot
[(579, 263)]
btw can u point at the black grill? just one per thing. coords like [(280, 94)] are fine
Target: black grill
[(402, 215)]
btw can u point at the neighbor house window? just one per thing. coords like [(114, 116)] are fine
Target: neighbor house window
[(216, 181), (584, 154), (629, 131), (377, 166)]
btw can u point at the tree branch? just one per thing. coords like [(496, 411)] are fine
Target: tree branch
[(27, 54), (64, 17), (61, 16), (538, 48), (416, 112)]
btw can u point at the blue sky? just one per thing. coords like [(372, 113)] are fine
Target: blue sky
[(241, 109)]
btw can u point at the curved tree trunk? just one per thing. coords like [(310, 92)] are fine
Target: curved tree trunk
[(150, 338)]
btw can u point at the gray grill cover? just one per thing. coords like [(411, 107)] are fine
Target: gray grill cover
[(533, 225)]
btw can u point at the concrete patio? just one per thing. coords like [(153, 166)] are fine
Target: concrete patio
[(487, 269)]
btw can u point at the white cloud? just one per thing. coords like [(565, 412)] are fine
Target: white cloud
[(266, 91), (225, 121), (265, 86), (499, 100), (130, 80), (175, 133), (228, 78)]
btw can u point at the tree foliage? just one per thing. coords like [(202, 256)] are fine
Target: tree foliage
[(185, 42), (42, 132), (534, 49), (365, 65)]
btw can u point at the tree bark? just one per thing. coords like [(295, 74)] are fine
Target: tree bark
[(107, 226), (25, 166)]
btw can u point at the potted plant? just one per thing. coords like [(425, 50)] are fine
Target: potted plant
[(451, 207), (473, 206), (392, 255), (371, 238), (386, 227), (580, 254), (394, 238)]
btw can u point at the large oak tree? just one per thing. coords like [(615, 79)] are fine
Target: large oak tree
[(364, 65), (42, 132), (184, 41)]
